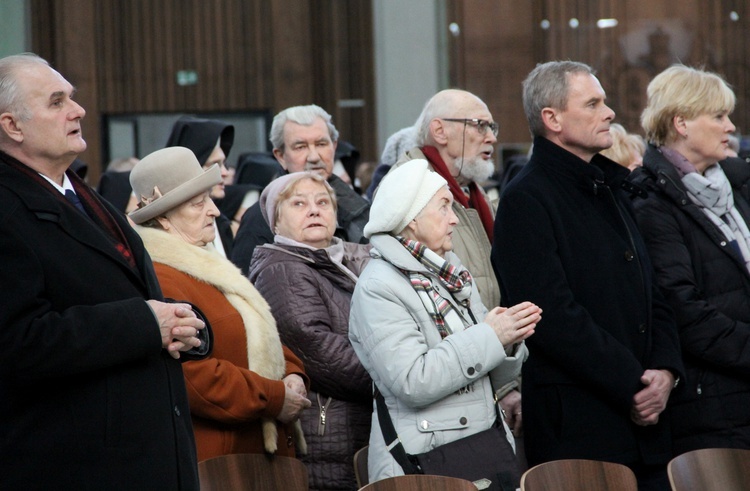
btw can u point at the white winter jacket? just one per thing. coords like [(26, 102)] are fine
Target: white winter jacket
[(437, 390)]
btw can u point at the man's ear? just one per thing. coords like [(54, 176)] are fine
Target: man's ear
[(9, 126), (552, 120), (437, 131), (279, 154)]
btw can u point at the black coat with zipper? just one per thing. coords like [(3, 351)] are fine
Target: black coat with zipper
[(708, 286), (565, 239)]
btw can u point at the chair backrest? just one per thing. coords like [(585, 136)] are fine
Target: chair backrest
[(579, 475), (240, 472), (360, 466), (709, 469), (420, 482)]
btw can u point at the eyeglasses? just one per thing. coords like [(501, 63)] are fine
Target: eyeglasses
[(482, 125)]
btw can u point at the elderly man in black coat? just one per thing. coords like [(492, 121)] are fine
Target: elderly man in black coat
[(91, 388), (606, 355)]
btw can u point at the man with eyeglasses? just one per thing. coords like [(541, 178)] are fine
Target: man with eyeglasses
[(456, 135)]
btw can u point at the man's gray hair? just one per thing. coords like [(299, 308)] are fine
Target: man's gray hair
[(304, 115), (435, 107), (547, 86), (10, 91)]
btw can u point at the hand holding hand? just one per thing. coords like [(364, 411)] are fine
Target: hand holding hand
[(179, 326), (514, 324), (295, 383), (650, 401), (294, 404)]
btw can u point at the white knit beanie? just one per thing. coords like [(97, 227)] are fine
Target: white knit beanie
[(402, 194)]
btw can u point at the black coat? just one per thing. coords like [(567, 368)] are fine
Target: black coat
[(565, 240), (708, 286), (89, 400)]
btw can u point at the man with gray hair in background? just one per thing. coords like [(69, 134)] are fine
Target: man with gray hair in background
[(303, 139), (605, 357), (456, 135)]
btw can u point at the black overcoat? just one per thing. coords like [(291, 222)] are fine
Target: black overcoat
[(707, 284), (89, 400), (566, 240)]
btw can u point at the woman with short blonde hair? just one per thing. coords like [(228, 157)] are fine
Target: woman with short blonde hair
[(694, 217)]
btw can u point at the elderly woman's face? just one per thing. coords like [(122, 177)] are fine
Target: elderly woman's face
[(193, 221), (433, 227), (307, 216)]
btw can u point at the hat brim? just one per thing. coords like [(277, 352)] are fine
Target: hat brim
[(178, 195)]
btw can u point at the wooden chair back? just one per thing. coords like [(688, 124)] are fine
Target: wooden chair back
[(420, 482), (360, 467), (579, 475), (711, 469), (251, 472)]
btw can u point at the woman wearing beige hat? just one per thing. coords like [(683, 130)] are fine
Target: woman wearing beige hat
[(419, 327), (307, 276), (247, 396)]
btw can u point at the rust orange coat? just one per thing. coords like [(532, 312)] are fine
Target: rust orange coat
[(227, 399)]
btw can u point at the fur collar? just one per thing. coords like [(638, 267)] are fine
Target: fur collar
[(265, 355)]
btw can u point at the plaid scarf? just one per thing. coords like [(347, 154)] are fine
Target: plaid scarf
[(456, 281)]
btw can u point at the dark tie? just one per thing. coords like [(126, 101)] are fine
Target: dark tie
[(73, 198)]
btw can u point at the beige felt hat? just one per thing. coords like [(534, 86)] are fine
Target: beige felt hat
[(167, 178)]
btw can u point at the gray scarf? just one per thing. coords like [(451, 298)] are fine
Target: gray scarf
[(712, 192)]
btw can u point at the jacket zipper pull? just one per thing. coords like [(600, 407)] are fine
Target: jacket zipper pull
[(322, 422)]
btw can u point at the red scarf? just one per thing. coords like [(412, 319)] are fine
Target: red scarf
[(475, 200)]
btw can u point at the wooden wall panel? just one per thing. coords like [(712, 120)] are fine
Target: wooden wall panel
[(501, 41), (341, 34), (248, 54), (491, 56), (65, 44)]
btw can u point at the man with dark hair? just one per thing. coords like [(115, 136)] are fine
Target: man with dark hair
[(605, 356), (91, 388)]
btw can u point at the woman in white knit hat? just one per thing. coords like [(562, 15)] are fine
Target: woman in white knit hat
[(419, 327)]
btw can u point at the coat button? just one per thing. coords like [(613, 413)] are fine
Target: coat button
[(629, 256), (462, 421), (642, 328), (470, 371), (177, 411), (478, 367), (289, 441), (424, 424), (723, 243)]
